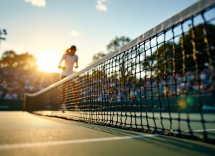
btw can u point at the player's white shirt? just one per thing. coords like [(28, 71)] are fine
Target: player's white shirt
[(69, 63)]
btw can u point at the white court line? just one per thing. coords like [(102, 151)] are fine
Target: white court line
[(51, 143), (196, 131), (203, 130)]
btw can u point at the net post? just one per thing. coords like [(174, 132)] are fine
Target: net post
[(24, 102)]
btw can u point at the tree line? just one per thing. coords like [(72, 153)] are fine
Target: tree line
[(193, 51), (26, 61)]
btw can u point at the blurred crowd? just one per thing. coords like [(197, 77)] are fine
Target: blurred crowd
[(14, 83), (113, 89)]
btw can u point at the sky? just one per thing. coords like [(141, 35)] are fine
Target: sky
[(46, 28)]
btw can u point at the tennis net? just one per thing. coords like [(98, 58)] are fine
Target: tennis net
[(161, 82)]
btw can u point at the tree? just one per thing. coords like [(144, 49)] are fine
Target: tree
[(196, 49), (113, 45), (117, 43), (98, 56), (188, 53), (8, 59), (23, 61)]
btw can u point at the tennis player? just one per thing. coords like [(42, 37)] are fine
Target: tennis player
[(69, 60)]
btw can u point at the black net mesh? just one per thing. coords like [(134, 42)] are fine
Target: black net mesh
[(163, 85)]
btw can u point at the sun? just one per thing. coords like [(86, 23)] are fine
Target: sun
[(48, 60)]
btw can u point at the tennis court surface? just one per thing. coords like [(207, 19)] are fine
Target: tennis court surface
[(28, 134)]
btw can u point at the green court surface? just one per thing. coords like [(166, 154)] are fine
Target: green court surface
[(22, 133)]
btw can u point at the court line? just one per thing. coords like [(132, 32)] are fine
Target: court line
[(196, 131), (51, 143), (203, 130)]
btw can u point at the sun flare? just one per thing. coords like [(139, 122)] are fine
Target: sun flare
[(48, 61)]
